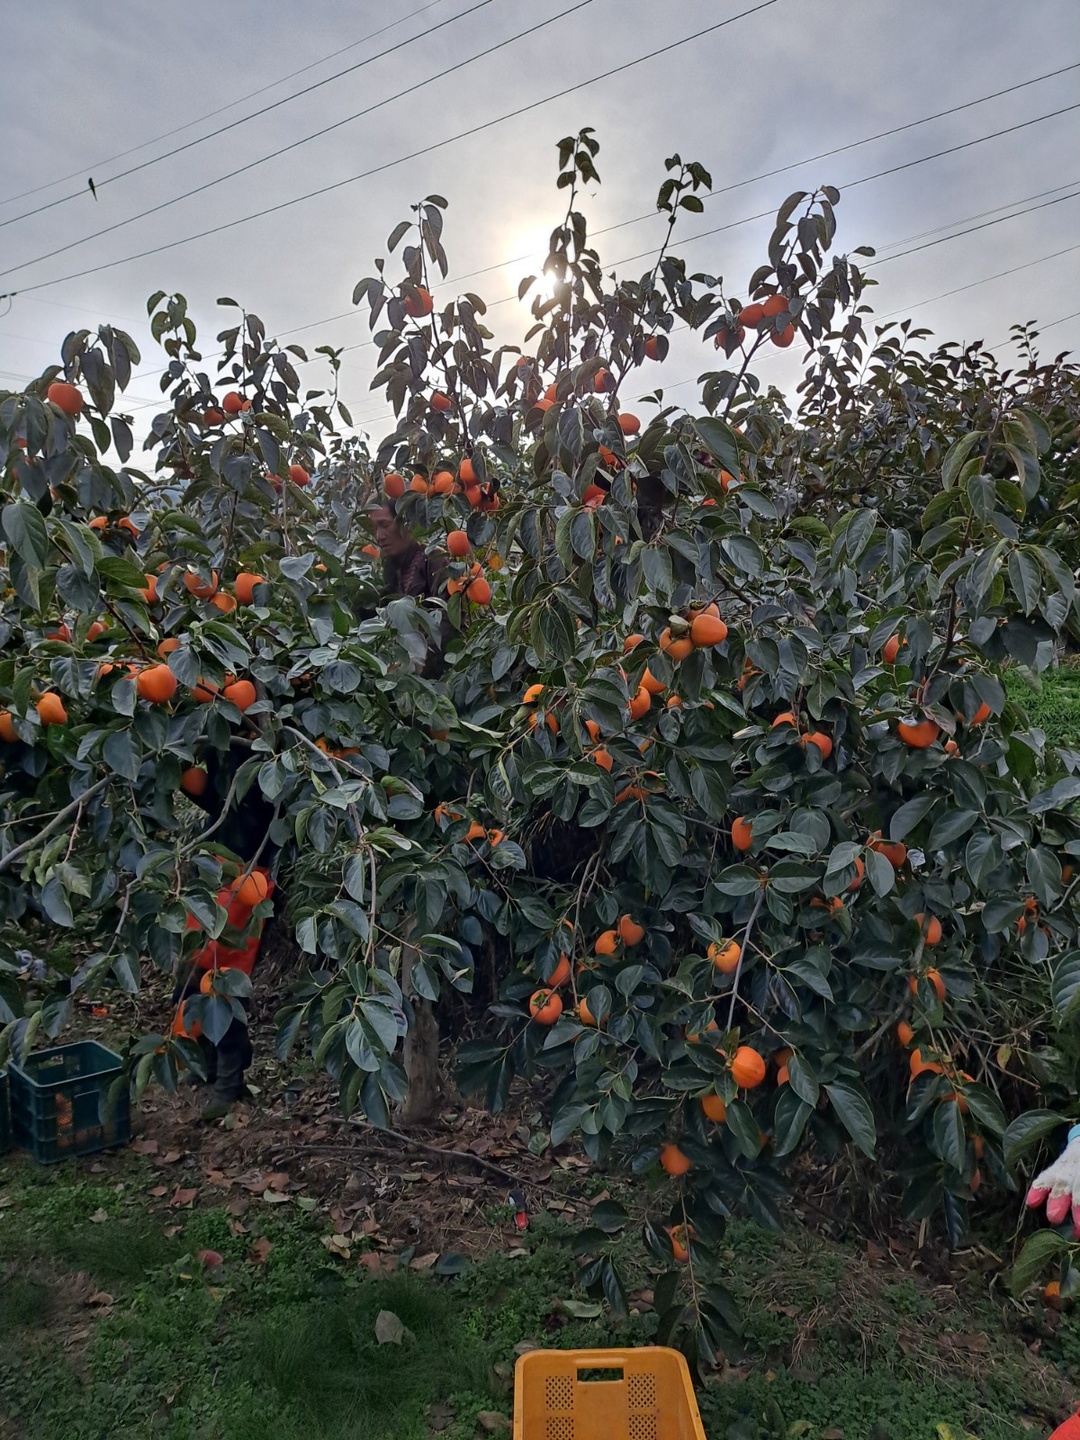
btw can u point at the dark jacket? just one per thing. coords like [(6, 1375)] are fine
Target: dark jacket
[(421, 575), (245, 827)]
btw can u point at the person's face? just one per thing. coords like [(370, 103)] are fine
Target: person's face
[(392, 541)]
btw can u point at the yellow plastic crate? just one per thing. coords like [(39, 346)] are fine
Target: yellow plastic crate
[(641, 1394)]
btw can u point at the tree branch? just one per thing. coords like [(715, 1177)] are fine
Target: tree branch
[(56, 823)]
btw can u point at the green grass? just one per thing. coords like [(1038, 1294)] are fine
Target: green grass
[(1055, 708), (288, 1349)]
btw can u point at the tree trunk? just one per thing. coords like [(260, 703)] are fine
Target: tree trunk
[(420, 1052)]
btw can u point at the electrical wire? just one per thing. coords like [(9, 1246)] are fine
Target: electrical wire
[(187, 125), (295, 144), (389, 164), (507, 299), (243, 120)]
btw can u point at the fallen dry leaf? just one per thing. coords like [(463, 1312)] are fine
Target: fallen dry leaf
[(389, 1329), (492, 1423), (260, 1250), (99, 1217), (145, 1147), (183, 1198)]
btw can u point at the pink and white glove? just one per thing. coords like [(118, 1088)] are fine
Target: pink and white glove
[(1059, 1185)]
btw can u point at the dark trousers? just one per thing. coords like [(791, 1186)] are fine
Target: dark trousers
[(230, 1057)]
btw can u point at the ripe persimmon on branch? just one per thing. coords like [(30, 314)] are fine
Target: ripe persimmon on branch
[(733, 611)]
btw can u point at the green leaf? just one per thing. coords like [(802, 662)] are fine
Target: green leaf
[(55, 903), (986, 1108), (1065, 986), (122, 755), (949, 827), (26, 533), (1057, 795), (957, 457), (1039, 1249), (1025, 577), (742, 1123), (1027, 1130), (908, 816), (803, 1080), (852, 1105), (720, 441), (789, 1121), (949, 1133)]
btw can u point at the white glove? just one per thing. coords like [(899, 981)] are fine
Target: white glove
[(1059, 1185)]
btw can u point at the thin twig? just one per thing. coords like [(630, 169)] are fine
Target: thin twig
[(887, 1025), (754, 913), (210, 830), (444, 1154), (596, 856), (882, 1030), (56, 823), (74, 831)]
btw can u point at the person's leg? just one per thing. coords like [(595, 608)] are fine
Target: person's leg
[(188, 985), (233, 1055)]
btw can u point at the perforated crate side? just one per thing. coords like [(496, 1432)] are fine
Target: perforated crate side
[(66, 1102)]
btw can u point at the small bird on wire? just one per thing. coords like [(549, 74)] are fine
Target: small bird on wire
[(93, 187)]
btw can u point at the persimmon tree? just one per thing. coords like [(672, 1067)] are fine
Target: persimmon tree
[(714, 809)]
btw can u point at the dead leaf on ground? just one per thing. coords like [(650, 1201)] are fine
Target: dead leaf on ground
[(440, 1417), (99, 1217), (145, 1147), (260, 1250), (977, 1344), (424, 1262), (183, 1199), (492, 1423), (377, 1264), (389, 1329)]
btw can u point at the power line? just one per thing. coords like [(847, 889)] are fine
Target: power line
[(783, 169), (930, 300), (998, 275), (232, 125), (507, 299), (295, 144), (813, 159), (971, 230), (980, 215), (401, 159), (524, 259), (1059, 321), (363, 344), (179, 129)]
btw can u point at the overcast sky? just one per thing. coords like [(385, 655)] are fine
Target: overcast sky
[(84, 83)]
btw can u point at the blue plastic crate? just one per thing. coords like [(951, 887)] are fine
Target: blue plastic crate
[(71, 1100), (5, 1123)]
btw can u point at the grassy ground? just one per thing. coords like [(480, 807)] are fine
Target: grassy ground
[(108, 1328), (1055, 708)]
